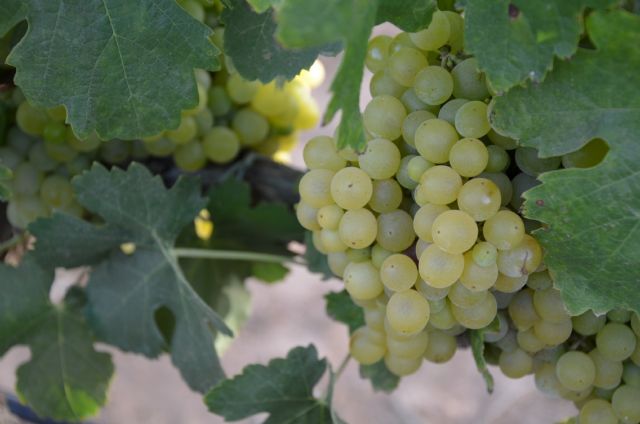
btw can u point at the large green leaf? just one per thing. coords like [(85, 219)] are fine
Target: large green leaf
[(314, 23), (283, 389), (126, 290), (341, 308), (123, 68), (66, 378), (249, 38), (516, 40), (592, 237), (382, 380), (11, 12)]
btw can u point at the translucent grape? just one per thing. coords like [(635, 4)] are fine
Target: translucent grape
[(449, 109), (625, 404), (549, 305), (540, 281), (358, 228), (424, 218), (402, 176), (469, 157), (442, 319), (484, 253), (454, 231), (329, 216), (435, 35), (597, 411), (382, 84), (434, 139), (411, 124), (30, 119), (364, 348), (240, 90), (507, 284), (221, 145), (515, 364), (351, 188), (504, 185), (430, 292), (468, 83), (412, 102), (362, 280), (55, 132), (616, 342), (383, 117), (307, 216), (410, 347), (395, 230), (441, 347), (480, 198), (337, 262), (320, 153), (250, 126), (439, 268), (588, 324), (479, 315), (433, 85), (402, 366), (471, 120), (219, 101), (498, 159), (404, 64), (315, 187), (522, 259), (529, 342), (56, 192), (522, 311), (331, 241), (386, 196), (620, 316), (381, 159), (398, 272), (608, 373), (530, 163), (462, 297), (161, 148), (456, 33), (575, 370), (407, 312), (377, 53), (440, 185), (476, 277), (553, 333), (186, 131), (379, 254), (417, 166), (189, 157)]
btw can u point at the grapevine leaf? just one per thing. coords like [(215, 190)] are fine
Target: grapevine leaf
[(477, 348), (593, 233), (341, 308), (382, 380), (316, 261), (314, 23), (524, 36), (5, 183), (125, 291), (11, 12), (283, 389), (122, 68), (66, 378), (243, 24), (408, 15)]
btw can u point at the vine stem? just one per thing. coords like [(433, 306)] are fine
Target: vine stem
[(342, 366), (12, 242), (236, 255)]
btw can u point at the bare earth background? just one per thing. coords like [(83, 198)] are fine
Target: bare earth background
[(291, 314)]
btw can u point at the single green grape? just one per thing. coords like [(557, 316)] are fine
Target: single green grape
[(378, 53), (321, 153), (362, 280), (350, 188), (588, 324), (587, 156), (433, 85), (56, 192), (240, 90), (434, 139), (220, 145), (608, 373), (382, 84), (480, 198), (521, 310), (251, 127), (412, 122), (383, 117), (398, 272), (439, 268), (190, 157), (476, 277), (468, 82), (26, 179), (549, 305), (625, 404), (515, 364), (424, 218), (484, 254), (448, 110), (55, 132), (358, 228), (616, 342), (186, 131), (404, 64), (315, 187), (471, 120), (597, 411), (454, 231), (381, 159), (469, 157), (386, 196), (441, 347), (395, 230), (407, 312), (435, 35), (440, 185)]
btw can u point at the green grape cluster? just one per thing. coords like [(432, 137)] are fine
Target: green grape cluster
[(233, 114), (424, 228)]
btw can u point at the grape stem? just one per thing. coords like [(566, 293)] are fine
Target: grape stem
[(11, 243), (342, 366), (236, 255)]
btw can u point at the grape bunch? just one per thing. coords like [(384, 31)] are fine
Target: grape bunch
[(233, 114), (424, 228)]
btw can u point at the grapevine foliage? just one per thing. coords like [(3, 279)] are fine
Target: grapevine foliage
[(524, 37), (283, 388), (305, 24), (125, 291), (244, 24), (66, 378), (134, 74), (593, 234)]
